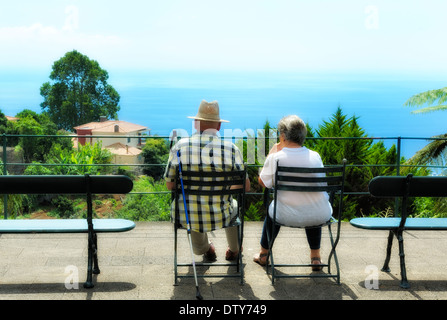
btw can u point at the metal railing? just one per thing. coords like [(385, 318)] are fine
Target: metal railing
[(397, 165)]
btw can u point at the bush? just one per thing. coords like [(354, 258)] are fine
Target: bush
[(64, 207), (255, 212), (147, 207), (75, 162), (155, 153)]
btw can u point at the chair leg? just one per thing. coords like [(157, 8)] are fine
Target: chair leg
[(334, 254), (270, 261), (404, 282), (240, 266), (239, 246), (89, 282), (386, 267), (175, 256), (95, 254), (270, 257), (271, 239), (91, 239)]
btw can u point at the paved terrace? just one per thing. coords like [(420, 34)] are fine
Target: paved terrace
[(138, 265)]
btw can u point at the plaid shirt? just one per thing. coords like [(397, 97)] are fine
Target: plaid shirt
[(207, 153)]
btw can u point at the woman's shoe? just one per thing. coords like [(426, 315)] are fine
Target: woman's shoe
[(259, 258), (316, 267)]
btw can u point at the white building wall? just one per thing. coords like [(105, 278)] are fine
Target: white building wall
[(122, 138)]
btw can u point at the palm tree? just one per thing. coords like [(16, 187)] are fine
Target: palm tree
[(429, 98), (435, 152)]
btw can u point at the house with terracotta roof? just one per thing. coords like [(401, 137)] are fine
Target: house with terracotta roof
[(9, 118), (122, 138)]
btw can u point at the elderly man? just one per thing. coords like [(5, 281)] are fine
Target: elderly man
[(206, 151)]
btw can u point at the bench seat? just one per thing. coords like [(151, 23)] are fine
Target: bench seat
[(73, 185), (403, 188), (64, 225), (393, 223)]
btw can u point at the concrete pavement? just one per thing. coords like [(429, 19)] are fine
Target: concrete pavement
[(138, 265)]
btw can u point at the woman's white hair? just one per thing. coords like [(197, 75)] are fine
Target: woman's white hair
[(293, 128)]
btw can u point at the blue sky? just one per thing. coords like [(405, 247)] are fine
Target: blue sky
[(282, 35)]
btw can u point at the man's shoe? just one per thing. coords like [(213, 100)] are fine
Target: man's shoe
[(210, 255), (230, 255)]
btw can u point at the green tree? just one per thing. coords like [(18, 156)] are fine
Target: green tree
[(3, 122), (429, 98), (345, 139), (156, 153), (434, 153), (32, 127), (334, 149), (79, 93)]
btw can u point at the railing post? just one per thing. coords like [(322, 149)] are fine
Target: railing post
[(399, 143), (5, 172)]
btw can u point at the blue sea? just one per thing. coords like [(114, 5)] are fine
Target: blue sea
[(162, 100)]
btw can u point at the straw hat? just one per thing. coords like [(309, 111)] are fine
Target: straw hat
[(208, 111)]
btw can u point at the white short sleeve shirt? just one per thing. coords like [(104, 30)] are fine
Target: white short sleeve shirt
[(302, 209)]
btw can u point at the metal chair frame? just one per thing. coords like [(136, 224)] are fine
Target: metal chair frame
[(404, 188), (194, 184), (334, 185)]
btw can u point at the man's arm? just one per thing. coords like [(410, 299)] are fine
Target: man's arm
[(247, 185)]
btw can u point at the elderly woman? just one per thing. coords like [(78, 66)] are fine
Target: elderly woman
[(294, 209)]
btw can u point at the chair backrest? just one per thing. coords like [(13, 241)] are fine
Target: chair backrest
[(62, 184), (71, 184), (405, 187), (211, 183), (330, 179), (300, 179), (400, 186)]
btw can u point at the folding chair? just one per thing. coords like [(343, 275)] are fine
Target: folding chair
[(330, 179), (211, 184)]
